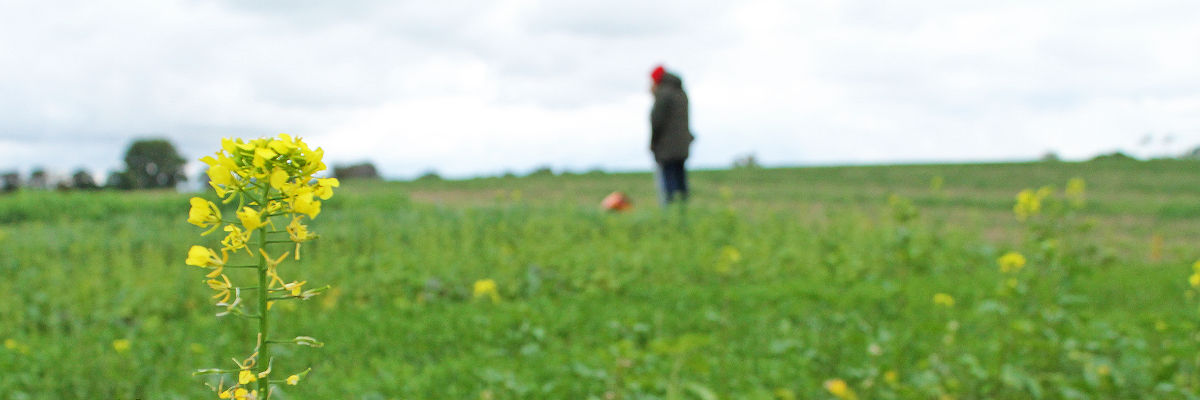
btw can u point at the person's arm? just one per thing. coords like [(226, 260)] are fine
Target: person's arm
[(658, 118)]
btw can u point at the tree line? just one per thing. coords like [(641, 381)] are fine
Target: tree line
[(149, 164)]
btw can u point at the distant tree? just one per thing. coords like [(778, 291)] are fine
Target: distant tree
[(364, 170), (428, 176), (153, 164), (83, 180), (1050, 156), (118, 180), (11, 182), (541, 171), (1114, 156), (39, 179)]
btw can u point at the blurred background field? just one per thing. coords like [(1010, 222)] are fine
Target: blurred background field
[(769, 284)]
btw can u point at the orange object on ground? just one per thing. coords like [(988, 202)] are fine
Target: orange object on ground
[(616, 201)]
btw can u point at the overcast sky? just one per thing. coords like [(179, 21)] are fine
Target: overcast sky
[(483, 87)]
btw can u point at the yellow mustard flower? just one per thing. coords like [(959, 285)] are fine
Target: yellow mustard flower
[(236, 239), (943, 300), (305, 204), (1028, 204), (198, 256), (278, 177), (1011, 262), (11, 344), (262, 155), (282, 146), (1194, 280), (325, 187), (204, 214), (838, 388), (487, 288), (243, 394), (251, 219), (204, 257), (293, 380), (245, 376), (121, 345), (219, 170), (891, 377), (298, 231)]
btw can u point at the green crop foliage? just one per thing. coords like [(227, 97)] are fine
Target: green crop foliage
[(897, 282)]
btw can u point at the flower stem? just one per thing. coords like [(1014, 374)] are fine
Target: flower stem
[(264, 352)]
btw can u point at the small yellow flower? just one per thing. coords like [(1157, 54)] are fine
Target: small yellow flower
[(198, 256), (204, 214), (1161, 325), (298, 231), (891, 377), (262, 155), (204, 257), (305, 204), (1011, 262), (278, 177), (11, 344), (943, 300), (1194, 280), (293, 380), (1028, 204), (236, 239), (325, 187), (121, 345), (245, 376), (242, 394), (1103, 370), (251, 219), (487, 287), (838, 388)]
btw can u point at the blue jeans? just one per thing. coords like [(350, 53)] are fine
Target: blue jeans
[(672, 182)]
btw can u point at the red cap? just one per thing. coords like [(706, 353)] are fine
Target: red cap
[(657, 74)]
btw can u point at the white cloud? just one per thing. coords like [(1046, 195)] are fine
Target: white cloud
[(465, 88)]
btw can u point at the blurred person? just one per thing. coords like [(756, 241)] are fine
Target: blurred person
[(670, 135)]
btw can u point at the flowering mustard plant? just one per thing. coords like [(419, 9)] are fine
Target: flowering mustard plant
[(272, 183)]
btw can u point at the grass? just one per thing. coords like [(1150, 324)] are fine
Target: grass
[(828, 283)]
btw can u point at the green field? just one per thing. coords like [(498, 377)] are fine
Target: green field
[(770, 283)]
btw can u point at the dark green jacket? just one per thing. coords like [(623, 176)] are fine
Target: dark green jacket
[(670, 135)]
